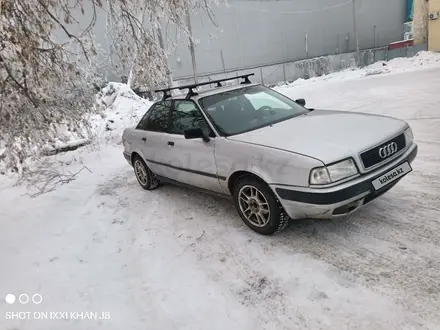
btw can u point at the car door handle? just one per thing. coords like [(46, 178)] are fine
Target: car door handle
[(170, 143), (144, 139)]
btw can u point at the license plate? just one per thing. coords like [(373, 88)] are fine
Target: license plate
[(392, 175)]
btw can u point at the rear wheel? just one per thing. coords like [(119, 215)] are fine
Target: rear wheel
[(145, 177), (258, 206)]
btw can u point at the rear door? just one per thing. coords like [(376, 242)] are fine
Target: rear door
[(191, 161), (152, 133)]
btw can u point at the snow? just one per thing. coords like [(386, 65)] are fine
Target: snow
[(176, 259), (423, 60), (377, 68), (123, 109)]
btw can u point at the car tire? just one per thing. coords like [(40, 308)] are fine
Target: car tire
[(258, 206), (146, 178)]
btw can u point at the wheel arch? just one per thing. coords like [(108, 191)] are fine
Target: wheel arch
[(282, 220), (135, 154), (233, 178)]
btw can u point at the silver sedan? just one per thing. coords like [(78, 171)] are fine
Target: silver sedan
[(276, 159)]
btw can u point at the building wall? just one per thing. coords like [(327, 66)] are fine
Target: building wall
[(255, 33), (434, 27), (420, 21)]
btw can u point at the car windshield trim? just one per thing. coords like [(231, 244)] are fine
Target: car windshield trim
[(293, 109)]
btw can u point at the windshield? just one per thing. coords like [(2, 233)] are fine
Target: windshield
[(246, 109)]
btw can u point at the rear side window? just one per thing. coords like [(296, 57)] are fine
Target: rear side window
[(143, 122), (186, 115), (157, 119)]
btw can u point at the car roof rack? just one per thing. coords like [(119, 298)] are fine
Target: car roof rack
[(191, 92)]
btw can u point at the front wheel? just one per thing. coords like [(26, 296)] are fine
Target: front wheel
[(145, 177), (258, 206)]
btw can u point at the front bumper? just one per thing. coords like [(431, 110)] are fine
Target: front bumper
[(325, 203)]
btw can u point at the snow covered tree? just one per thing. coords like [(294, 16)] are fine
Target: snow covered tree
[(48, 63)]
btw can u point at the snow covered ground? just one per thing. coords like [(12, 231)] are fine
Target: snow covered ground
[(176, 259), (421, 61)]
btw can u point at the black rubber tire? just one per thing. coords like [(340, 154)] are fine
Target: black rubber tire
[(152, 181), (278, 218)]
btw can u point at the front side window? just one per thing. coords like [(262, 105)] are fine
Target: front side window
[(157, 120), (186, 115), (248, 108)]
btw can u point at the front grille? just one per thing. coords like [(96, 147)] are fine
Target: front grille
[(383, 152)]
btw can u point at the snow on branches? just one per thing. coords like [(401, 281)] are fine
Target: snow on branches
[(49, 61)]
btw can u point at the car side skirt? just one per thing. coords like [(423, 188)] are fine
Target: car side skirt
[(210, 175), (195, 188)]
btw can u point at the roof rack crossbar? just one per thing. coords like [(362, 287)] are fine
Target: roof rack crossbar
[(166, 92), (246, 79), (190, 93), (190, 88)]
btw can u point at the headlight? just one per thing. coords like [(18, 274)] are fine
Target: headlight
[(409, 136), (333, 173), (319, 175)]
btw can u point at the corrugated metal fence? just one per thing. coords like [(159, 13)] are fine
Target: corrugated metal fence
[(314, 67)]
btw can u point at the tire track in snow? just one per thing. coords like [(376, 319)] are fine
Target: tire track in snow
[(365, 250), (159, 237), (261, 291)]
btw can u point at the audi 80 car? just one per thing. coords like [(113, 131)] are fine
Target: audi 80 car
[(277, 159)]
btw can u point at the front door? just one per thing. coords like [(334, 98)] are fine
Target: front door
[(191, 161)]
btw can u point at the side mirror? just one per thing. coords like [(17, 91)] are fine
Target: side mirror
[(195, 133), (301, 102)]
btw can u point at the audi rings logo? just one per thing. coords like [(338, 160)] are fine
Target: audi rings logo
[(388, 150)]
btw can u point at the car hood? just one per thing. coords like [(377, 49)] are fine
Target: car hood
[(325, 134)]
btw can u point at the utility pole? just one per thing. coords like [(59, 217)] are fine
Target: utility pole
[(307, 45), (191, 46), (162, 45), (356, 36)]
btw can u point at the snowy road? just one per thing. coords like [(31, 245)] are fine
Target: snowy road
[(175, 259)]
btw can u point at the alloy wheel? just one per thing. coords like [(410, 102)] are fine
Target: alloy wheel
[(141, 172), (254, 206)]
